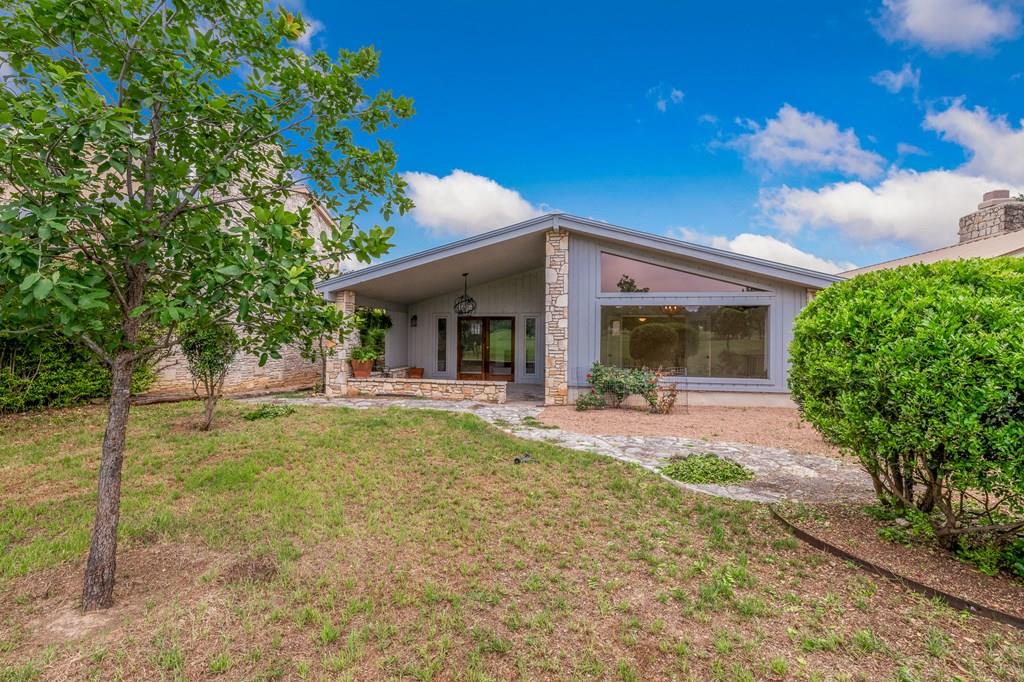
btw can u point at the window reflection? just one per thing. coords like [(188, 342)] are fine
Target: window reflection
[(628, 275), (696, 341)]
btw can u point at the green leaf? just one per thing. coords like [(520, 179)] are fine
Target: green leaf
[(230, 270), (41, 289), (30, 281), (38, 115)]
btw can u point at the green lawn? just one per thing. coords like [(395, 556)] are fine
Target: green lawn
[(338, 544)]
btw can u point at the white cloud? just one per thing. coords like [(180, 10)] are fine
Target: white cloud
[(895, 81), (948, 25), (805, 140), (995, 146), (664, 97), (710, 119), (763, 246), (305, 41), (920, 208), (905, 149), (462, 203)]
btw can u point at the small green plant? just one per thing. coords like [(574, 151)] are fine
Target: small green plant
[(209, 350), (220, 663), (269, 412), (706, 468), (618, 383), (590, 401)]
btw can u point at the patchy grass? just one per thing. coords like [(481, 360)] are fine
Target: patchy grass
[(269, 411), (343, 544), (706, 468)]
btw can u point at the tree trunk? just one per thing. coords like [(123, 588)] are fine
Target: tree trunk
[(98, 592), (212, 393)]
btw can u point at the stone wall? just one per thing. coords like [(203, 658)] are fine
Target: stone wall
[(988, 221), (339, 371), (434, 389), (556, 318), (290, 372)]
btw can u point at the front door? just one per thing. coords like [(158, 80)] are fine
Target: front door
[(487, 348)]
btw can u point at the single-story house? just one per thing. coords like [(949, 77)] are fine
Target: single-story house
[(527, 309), (996, 229)]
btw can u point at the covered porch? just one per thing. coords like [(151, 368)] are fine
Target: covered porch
[(493, 348)]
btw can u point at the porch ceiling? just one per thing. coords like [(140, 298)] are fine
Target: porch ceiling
[(443, 275)]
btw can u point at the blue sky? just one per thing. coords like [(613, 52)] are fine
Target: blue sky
[(824, 134)]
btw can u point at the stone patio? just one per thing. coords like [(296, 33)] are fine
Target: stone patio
[(778, 474)]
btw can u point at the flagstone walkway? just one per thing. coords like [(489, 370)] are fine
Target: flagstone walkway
[(778, 473)]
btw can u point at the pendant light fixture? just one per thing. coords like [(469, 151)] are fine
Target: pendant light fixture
[(465, 304)]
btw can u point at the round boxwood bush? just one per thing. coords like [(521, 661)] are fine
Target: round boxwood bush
[(919, 372), (654, 344)]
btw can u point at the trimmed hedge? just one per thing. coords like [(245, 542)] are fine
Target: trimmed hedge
[(51, 371), (919, 372)]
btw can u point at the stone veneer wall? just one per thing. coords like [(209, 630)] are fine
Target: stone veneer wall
[(556, 318), (291, 371), (1007, 216), (434, 389), (339, 371)]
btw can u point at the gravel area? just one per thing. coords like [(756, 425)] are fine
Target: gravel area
[(778, 427)]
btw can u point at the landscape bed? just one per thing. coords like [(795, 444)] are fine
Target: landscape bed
[(852, 529), (405, 544)]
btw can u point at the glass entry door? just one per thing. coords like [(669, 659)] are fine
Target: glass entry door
[(487, 348)]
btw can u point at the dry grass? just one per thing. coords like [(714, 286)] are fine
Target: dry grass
[(334, 544)]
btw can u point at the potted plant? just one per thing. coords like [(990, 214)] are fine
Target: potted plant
[(362, 358)]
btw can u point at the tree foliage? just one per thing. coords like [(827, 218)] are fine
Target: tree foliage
[(48, 370), (147, 152), (654, 344), (919, 372), (209, 349)]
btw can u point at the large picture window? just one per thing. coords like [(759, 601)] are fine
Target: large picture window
[(696, 340), (630, 276)]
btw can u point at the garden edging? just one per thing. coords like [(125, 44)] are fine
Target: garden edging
[(953, 601)]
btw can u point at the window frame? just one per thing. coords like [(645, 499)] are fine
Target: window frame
[(447, 344), (764, 290), (746, 299), (537, 353)]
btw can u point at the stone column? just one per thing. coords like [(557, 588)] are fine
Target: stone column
[(339, 371), (556, 317)]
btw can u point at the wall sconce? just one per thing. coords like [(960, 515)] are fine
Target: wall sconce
[(413, 321)]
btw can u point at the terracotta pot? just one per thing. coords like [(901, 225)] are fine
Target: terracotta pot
[(361, 368), (415, 372)]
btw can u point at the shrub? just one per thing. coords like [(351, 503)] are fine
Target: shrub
[(49, 370), (268, 412), (590, 401), (619, 383), (209, 349), (919, 372), (706, 468), (654, 344)]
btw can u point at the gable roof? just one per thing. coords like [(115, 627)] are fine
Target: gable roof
[(1005, 244), (532, 231)]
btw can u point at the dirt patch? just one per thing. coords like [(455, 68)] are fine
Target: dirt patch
[(253, 569), (778, 427), (47, 603), (850, 528)]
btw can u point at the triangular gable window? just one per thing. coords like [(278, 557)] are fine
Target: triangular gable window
[(623, 275)]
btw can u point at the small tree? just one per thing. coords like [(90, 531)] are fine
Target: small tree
[(919, 372), (147, 149), (209, 350)]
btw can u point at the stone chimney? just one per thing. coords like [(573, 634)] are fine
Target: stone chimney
[(997, 214)]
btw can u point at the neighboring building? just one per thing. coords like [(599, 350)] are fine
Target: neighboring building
[(557, 293), (995, 229), (291, 371)]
